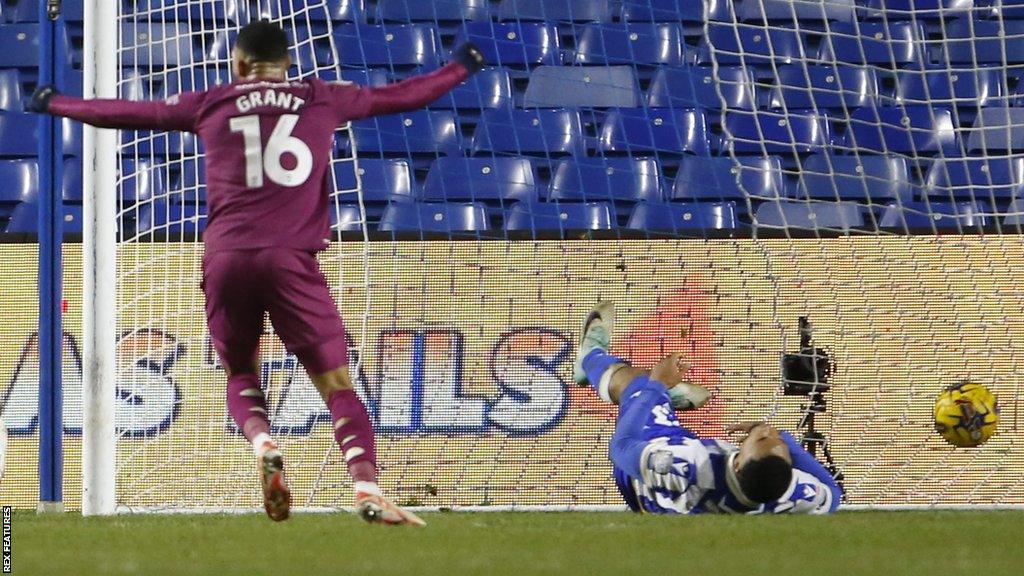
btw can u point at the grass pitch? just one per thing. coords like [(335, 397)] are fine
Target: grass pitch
[(521, 544)]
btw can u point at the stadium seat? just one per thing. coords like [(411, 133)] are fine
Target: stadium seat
[(419, 132), (346, 218), (729, 44), (382, 179), (360, 76), (490, 88), (336, 10), (436, 11), (773, 132), (25, 218), (556, 10), (964, 87), (514, 44), (975, 42), (997, 129), (10, 91), (716, 178), (533, 132), (878, 43), (201, 10), (699, 87), (686, 11), (19, 134), (916, 9), (582, 86), (861, 178), (607, 179), (934, 216), (140, 181), (147, 44), (632, 44), (387, 46), (789, 11), (481, 179), (800, 86), (679, 218), (438, 217), (19, 182), (559, 216), (664, 130), (28, 10), (170, 220), (132, 86), (73, 183), (906, 129), (194, 79), (976, 178), (1005, 9), (810, 215), (20, 45)]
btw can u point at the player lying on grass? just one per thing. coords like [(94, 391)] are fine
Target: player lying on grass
[(268, 154), (662, 468)]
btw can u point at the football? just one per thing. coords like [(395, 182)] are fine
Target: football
[(966, 414)]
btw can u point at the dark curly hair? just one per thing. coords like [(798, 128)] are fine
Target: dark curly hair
[(765, 479), (263, 41)]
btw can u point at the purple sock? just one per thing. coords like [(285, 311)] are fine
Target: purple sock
[(354, 434), (247, 405)]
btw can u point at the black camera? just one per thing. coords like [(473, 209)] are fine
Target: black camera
[(806, 372)]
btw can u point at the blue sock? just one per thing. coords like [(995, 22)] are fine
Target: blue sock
[(596, 363)]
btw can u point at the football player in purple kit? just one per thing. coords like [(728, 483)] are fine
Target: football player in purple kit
[(268, 154)]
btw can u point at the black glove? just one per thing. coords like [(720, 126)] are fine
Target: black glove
[(41, 99), (469, 56)]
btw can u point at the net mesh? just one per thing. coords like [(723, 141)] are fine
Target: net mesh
[(719, 169)]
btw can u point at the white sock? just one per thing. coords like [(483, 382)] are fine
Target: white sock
[(368, 488), (259, 443)]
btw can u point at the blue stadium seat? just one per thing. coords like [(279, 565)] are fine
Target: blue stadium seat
[(664, 130), (391, 45), (727, 178), (145, 143), (382, 179), (514, 44), (934, 216), (632, 44), (490, 88), (360, 76), (811, 215), (699, 87), (607, 179), (861, 178), (19, 134), (194, 79), (749, 45), (974, 42), (965, 87), (582, 86), (145, 44), (28, 10), (559, 216), (20, 45), (772, 132), (533, 132), (170, 220), (680, 218), (879, 43), (176, 10), (686, 11), (789, 11), (801, 86), (132, 86), (438, 217), (25, 218), (916, 9), (10, 91), (141, 181), (907, 129), (19, 182), (556, 10), (1006, 9), (976, 178), (336, 10), (434, 11), (72, 186), (481, 179), (346, 218), (419, 132), (997, 129)]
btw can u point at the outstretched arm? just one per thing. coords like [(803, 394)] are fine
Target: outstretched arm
[(802, 460), (175, 113)]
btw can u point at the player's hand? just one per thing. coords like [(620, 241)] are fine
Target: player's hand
[(470, 56), (671, 370), (40, 102)]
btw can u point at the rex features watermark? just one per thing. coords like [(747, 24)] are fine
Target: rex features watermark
[(7, 539)]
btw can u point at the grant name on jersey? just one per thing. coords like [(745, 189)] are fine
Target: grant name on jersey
[(268, 97)]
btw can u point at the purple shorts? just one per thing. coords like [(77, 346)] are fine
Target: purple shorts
[(242, 285)]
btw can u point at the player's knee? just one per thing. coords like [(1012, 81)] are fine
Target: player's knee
[(332, 381)]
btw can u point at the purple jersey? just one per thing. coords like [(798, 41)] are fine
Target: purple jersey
[(268, 147)]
